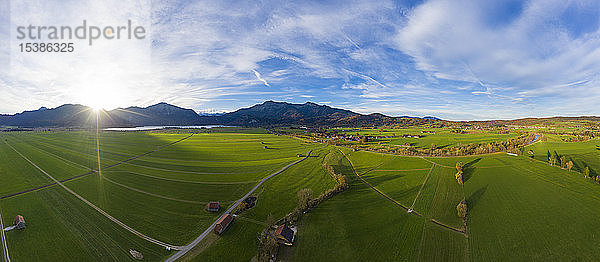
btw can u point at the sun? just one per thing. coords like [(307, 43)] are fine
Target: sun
[(100, 98)]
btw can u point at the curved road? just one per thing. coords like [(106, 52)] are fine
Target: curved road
[(191, 245)]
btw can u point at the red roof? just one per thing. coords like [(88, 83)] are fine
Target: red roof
[(225, 220), (19, 218), (213, 205), (223, 223)]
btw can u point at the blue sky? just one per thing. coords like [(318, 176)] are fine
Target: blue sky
[(453, 59)]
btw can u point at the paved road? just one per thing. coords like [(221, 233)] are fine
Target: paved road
[(116, 221), (229, 210), (4, 246)]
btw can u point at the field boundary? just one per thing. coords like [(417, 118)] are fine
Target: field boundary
[(116, 221), (195, 242), (4, 245), (422, 186), (449, 227), (400, 170), (157, 195), (90, 172), (377, 190), (184, 181)]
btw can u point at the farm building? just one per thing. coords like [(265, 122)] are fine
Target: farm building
[(223, 223), (213, 207), (19, 222), (285, 235), (299, 155)]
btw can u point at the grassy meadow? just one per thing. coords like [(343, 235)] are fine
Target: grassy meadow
[(161, 194), (519, 209)]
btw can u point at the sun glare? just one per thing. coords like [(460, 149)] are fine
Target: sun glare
[(100, 98)]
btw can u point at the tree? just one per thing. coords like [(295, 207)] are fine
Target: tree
[(459, 166), (586, 171), (270, 220), (267, 245), (459, 177), (563, 161), (305, 196), (569, 165), (552, 159), (462, 209), (364, 139)]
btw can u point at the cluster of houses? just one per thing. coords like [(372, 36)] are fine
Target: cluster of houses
[(411, 136)]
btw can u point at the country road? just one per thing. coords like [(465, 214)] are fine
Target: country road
[(191, 245), (4, 245), (116, 221)]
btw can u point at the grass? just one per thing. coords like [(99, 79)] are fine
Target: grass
[(441, 137), (531, 211), (581, 153), (357, 225), (519, 209), (62, 228), (161, 195), (277, 196)]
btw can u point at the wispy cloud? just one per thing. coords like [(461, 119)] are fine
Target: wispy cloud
[(257, 74), (479, 59)]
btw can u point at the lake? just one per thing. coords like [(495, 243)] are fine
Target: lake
[(145, 128)]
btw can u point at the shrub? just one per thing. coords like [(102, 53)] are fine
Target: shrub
[(462, 209)]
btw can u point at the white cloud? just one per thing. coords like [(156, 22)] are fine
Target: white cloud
[(532, 53), (257, 74)]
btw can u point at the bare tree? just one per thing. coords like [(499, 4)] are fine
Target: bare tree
[(462, 209), (305, 195)]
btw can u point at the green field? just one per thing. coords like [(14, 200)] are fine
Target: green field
[(520, 209), (161, 194), (440, 137), (581, 153)]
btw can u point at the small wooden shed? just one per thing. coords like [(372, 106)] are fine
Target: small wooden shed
[(213, 207), (285, 235), (223, 223), (19, 222)]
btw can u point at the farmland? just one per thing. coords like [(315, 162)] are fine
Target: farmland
[(440, 137), (161, 194), (400, 208)]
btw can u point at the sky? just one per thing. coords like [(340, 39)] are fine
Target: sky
[(453, 59)]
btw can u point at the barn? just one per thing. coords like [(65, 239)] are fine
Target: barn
[(285, 235), (19, 222), (213, 207), (223, 223)]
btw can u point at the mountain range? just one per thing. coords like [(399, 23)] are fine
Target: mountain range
[(268, 113)]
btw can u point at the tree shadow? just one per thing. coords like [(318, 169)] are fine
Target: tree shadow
[(467, 174), (471, 163), (475, 197), (444, 146), (377, 180), (469, 170)]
